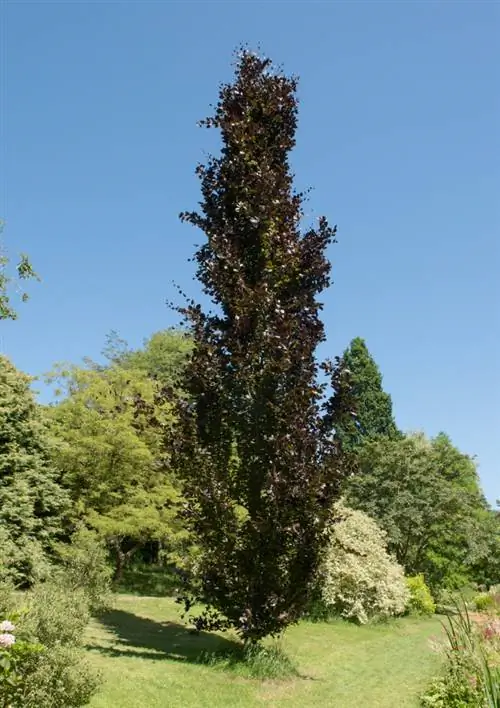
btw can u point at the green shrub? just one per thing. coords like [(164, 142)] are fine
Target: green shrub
[(56, 615), (488, 601), (42, 664), (85, 567), (59, 678), (317, 610), (254, 660), (15, 655), (454, 690), (420, 601), (484, 602), (359, 580), (471, 676), (60, 608), (267, 662)]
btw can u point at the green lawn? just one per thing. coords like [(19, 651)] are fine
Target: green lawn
[(149, 659)]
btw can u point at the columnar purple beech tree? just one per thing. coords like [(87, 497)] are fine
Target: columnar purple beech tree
[(255, 443)]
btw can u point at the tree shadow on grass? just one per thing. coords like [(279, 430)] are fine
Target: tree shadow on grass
[(145, 638)]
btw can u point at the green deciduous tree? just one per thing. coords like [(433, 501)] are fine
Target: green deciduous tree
[(111, 458), (426, 495), (373, 406), (164, 355), (486, 552), (32, 504), (256, 454)]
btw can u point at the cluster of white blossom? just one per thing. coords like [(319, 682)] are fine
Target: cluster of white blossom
[(7, 638), (359, 579)]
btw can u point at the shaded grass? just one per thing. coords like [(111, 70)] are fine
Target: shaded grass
[(148, 580), (149, 659), (173, 641), (148, 638)]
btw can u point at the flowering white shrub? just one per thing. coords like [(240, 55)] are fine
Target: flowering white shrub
[(359, 580), (7, 626), (7, 640), (14, 655)]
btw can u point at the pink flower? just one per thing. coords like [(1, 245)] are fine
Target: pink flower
[(492, 630), (472, 681), (7, 626), (7, 640)]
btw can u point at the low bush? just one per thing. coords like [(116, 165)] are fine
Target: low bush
[(59, 678), (420, 601), (256, 661), (488, 602), (267, 662), (471, 676), (84, 566), (317, 610), (41, 660), (455, 689), (359, 580), (42, 664), (56, 615), (15, 656), (484, 602)]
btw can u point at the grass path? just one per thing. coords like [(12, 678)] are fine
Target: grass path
[(149, 659)]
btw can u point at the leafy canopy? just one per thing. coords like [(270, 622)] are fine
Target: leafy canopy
[(255, 445), (163, 356), (111, 458), (32, 504), (425, 494)]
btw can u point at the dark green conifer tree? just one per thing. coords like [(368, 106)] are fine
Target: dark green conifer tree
[(32, 504)]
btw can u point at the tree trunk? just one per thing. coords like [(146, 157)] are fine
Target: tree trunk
[(119, 564), (122, 559)]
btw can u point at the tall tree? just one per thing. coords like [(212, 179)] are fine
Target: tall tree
[(426, 495), (486, 555), (111, 459), (32, 504), (374, 416), (255, 443)]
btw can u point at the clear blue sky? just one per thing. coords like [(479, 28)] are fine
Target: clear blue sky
[(399, 136)]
